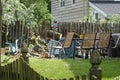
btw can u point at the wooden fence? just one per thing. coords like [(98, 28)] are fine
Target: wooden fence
[(19, 30), (14, 31), (20, 70), (81, 27)]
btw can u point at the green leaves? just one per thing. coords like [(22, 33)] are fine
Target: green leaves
[(115, 18), (13, 11), (29, 12), (40, 9)]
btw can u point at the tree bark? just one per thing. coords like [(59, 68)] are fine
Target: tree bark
[(0, 31)]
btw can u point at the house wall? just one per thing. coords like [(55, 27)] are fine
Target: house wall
[(70, 12), (99, 14)]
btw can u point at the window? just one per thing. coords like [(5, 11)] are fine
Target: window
[(96, 16), (73, 1), (62, 3)]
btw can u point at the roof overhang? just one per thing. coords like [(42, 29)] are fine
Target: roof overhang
[(97, 9)]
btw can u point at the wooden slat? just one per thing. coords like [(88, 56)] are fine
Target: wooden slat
[(104, 40), (88, 41), (68, 39)]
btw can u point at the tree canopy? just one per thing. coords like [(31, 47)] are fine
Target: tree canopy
[(30, 12), (41, 9)]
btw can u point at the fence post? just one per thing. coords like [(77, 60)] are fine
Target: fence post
[(42, 78), (46, 79), (77, 78), (71, 79), (24, 50), (84, 77), (95, 70)]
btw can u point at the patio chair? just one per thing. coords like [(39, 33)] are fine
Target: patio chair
[(116, 41), (65, 47), (13, 47), (55, 48)]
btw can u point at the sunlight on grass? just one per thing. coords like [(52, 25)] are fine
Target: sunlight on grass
[(6, 59), (53, 69), (67, 68), (110, 68), (58, 68)]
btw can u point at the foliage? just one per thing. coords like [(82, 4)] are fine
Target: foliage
[(40, 9), (110, 19), (103, 20), (14, 11), (6, 59), (115, 18), (89, 18), (49, 5), (29, 12)]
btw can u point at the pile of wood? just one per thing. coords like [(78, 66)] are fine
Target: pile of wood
[(54, 35)]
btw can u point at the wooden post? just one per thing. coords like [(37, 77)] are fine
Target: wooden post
[(71, 79), (95, 70), (84, 77), (24, 51), (77, 78), (42, 78)]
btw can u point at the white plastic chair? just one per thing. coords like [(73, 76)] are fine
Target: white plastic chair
[(55, 48)]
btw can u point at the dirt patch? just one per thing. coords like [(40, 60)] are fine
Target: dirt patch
[(3, 50)]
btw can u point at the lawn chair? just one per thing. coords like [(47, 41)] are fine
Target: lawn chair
[(64, 48), (116, 40), (115, 45), (13, 47), (55, 48)]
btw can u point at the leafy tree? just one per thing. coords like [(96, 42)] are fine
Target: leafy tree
[(49, 5), (89, 18), (40, 9), (14, 11), (115, 18), (30, 12), (110, 19)]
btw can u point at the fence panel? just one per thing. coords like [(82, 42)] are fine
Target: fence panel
[(81, 27), (20, 70)]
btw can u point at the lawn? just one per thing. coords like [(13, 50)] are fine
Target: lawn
[(66, 68), (6, 59)]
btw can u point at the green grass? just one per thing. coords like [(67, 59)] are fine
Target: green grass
[(6, 59), (110, 68), (59, 68), (66, 68)]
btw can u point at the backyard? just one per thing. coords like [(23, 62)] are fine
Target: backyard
[(28, 26), (66, 68), (69, 68)]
